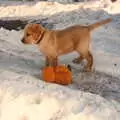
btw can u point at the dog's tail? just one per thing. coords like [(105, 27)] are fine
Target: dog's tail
[(98, 24)]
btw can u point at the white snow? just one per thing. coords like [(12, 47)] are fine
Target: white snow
[(23, 96)]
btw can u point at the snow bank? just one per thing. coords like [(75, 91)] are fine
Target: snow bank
[(41, 9), (27, 98)]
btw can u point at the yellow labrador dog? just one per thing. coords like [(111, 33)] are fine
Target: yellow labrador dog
[(53, 43)]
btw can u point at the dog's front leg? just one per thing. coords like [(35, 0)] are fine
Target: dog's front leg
[(51, 61), (54, 61), (47, 62)]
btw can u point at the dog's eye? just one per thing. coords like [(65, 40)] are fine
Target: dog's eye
[(28, 34)]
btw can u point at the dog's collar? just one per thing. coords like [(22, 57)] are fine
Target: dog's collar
[(40, 38)]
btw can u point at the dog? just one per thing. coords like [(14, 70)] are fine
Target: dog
[(53, 43)]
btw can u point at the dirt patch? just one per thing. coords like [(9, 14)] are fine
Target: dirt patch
[(20, 24)]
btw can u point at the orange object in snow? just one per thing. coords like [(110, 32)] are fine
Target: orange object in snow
[(59, 74)]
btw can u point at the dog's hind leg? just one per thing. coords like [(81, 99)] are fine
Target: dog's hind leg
[(85, 54), (89, 65), (78, 60)]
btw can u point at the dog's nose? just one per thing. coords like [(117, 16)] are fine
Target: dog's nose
[(22, 40)]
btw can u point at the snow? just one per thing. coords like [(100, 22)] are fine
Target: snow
[(92, 96)]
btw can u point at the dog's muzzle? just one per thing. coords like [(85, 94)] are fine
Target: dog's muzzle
[(22, 40)]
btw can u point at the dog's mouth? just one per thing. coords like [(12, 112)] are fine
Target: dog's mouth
[(24, 41)]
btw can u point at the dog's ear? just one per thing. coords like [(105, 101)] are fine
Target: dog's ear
[(39, 30), (35, 28)]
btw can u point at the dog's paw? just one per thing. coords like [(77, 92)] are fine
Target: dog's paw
[(86, 69), (76, 61)]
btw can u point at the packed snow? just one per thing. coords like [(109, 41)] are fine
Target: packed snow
[(91, 96)]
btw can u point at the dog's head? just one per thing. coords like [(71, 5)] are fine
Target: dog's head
[(33, 34)]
